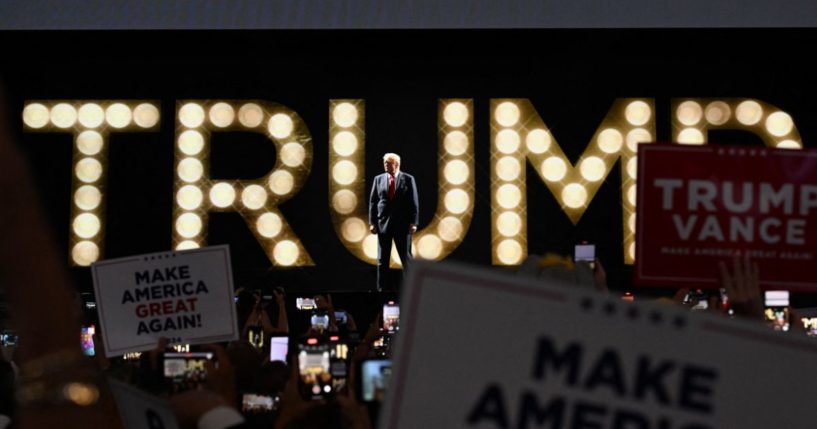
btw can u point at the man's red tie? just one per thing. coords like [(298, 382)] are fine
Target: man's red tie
[(391, 187)]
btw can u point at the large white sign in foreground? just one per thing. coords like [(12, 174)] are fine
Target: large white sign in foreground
[(478, 349)]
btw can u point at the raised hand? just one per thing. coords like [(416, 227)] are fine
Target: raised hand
[(742, 286)]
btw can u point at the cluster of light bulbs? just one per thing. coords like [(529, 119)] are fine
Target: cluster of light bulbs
[(518, 134), (455, 196), (91, 123), (348, 191), (256, 200), (694, 117), (347, 182)]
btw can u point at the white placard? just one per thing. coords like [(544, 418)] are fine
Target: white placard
[(478, 349), (141, 410), (184, 296)]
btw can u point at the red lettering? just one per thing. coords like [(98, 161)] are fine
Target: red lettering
[(166, 307), (155, 309)]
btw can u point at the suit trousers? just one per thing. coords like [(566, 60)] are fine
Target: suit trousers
[(402, 240)]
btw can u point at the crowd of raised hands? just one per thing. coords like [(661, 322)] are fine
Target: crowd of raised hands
[(243, 370), (235, 384), (737, 292)]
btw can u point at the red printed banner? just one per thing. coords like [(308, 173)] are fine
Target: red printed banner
[(700, 205)]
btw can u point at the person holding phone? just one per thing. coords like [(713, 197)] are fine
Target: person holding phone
[(297, 411), (258, 322), (325, 308), (374, 376), (345, 321), (391, 317), (741, 282), (394, 211)]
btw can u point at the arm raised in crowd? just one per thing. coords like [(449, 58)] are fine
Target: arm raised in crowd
[(341, 411), (258, 317), (283, 320), (365, 348), (221, 378), (742, 284), (324, 302)]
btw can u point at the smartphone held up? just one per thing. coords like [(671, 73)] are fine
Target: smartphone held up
[(585, 252), (373, 380), (185, 371), (391, 317), (314, 364), (87, 340), (776, 309)]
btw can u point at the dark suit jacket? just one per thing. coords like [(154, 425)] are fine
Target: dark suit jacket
[(391, 216)]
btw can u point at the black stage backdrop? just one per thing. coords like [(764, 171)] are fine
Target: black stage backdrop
[(571, 76)]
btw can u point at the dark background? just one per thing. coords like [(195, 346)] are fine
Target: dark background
[(571, 76)]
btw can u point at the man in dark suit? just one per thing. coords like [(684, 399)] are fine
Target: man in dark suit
[(393, 214)]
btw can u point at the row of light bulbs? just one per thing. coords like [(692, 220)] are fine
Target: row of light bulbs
[(693, 117), (456, 185), (90, 116), (347, 184), (518, 135)]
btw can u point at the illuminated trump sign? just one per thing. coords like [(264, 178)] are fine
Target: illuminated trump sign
[(518, 136)]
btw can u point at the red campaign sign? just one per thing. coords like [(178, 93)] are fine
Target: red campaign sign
[(704, 204)]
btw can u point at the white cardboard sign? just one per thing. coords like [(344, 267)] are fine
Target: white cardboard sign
[(141, 410), (478, 349), (184, 296)]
